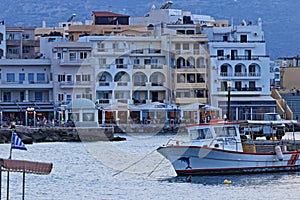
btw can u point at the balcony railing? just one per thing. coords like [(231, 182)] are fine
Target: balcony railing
[(104, 83), (241, 74), (240, 89)]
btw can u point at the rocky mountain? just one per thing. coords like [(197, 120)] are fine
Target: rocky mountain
[(281, 19)]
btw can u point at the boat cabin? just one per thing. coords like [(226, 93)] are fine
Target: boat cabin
[(219, 135)]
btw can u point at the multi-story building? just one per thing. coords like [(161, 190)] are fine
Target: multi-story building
[(20, 43), (239, 63), (2, 40), (25, 90)]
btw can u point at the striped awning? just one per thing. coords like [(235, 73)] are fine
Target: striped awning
[(25, 166)]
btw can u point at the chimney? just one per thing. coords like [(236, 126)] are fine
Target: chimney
[(44, 24)]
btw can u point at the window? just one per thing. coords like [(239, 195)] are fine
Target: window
[(115, 46), (13, 36), (136, 61), (59, 55), (225, 38), (220, 52), (61, 78), (38, 96), (180, 78), (200, 78), (10, 77), (78, 78), (83, 55), (21, 78), (147, 61), (40, 77), (60, 97), (69, 97), (243, 38), (102, 61), (69, 78), (186, 46), (87, 96), (13, 51), (119, 62), (22, 96), (191, 78), (31, 77), (101, 47), (6, 96), (177, 46), (86, 77), (72, 56)]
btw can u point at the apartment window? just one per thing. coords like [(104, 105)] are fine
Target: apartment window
[(147, 61), (26, 36), (101, 47), (115, 46), (21, 78), (10, 77), (60, 97), (61, 78), (78, 78), (13, 36), (119, 62), (180, 78), (13, 51), (83, 55), (38, 96), (243, 38), (252, 84), (69, 97), (31, 77), (22, 96), (86, 77), (200, 78), (220, 52), (40, 77), (59, 55), (136, 61), (6, 96), (69, 78), (72, 56), (186, 46), (102, 61), (177, 46), (87, 96), (191, 78), (225, 38)]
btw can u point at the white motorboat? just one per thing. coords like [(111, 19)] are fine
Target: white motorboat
[(219, 148)]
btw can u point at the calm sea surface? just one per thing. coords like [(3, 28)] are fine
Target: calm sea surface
[(92, 171)]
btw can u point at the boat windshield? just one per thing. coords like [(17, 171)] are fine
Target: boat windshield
[(225, 131), (199, 134)]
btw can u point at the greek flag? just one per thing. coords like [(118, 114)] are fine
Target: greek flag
[(16, 142)]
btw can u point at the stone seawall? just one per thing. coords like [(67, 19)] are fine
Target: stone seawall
[(58, 134)]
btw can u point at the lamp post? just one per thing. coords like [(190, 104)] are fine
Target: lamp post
[(229, 84)]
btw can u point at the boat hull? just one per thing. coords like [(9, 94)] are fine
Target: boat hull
[(195, 160)]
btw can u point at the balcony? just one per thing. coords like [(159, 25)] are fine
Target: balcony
[(73, 84), (228, 57), (26, 84)]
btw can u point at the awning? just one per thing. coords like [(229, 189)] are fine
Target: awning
[(25, 166)]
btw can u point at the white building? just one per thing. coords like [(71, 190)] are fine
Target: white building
[(238, 57), (2, 40)]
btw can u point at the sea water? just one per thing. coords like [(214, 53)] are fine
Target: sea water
[(132, 169)]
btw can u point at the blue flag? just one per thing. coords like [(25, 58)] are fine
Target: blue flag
[(16, 142)]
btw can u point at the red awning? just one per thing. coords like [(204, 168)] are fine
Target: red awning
[(25, 166)]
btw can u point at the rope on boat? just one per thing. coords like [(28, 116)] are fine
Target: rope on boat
[(134, 163)]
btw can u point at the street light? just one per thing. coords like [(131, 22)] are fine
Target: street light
[(229, 84)]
